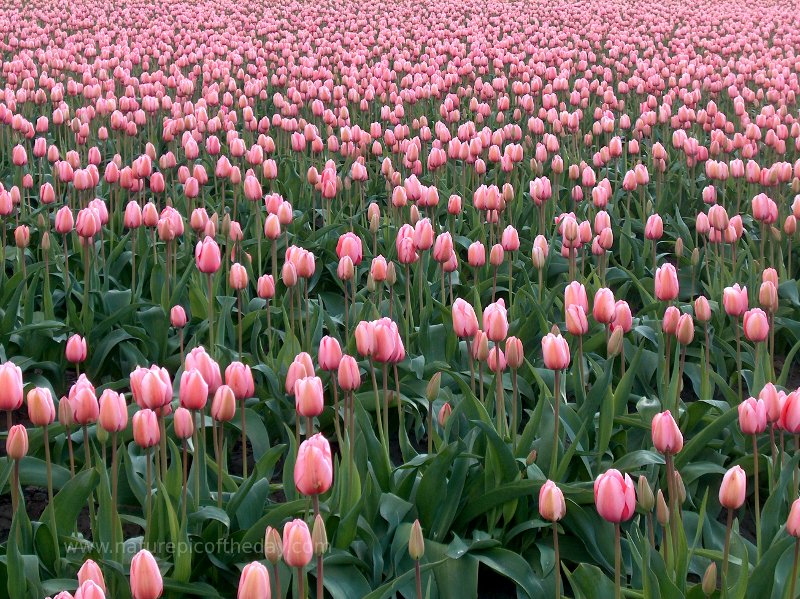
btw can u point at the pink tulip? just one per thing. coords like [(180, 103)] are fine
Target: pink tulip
[(17, 442), (313, 470), (329, 354), (615, 496), (551, 502), (667, 437), (495, 321), (239, 378), (41, 409), (753, 416), (733, 488), (308, 395), (207, 256), (604, 306), (297, 546), (555, 351), (756, 325), (666, 283), (254, 582), (734, 299), (146, 581), (76, 349)]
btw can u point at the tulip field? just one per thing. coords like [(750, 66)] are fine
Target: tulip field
[(425, 300)]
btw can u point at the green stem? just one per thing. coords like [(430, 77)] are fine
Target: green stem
[(556, 402), (617, 560)]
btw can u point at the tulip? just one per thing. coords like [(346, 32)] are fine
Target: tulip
[(604, 305), (308, 396), (666, 283), (297, 549), (556, 357), (756, 325), (90, 571), (254, 582), (731, 495), (667, 437), (200, 360), (146, 581), (615, 498), (10, 389), (145, 428), (495, 321)]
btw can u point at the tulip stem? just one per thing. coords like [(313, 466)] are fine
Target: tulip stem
[(514, 409), (320, 577), (557, 560), (163, 446), (673, 512), (185, 478), (210, 315), (617, 560), (680, 380), (149, 502), (793, 584), (15, 490), (244, 444), (556, 402), (499, 398), (386, 403), (378, 419), (87, 466), (69, 447), (239, 309), (218, 451), (276, 576), (336, 425), (114, 487), (301, 584), (757, 498), (471, 367), (418, 578), (726, 553), (739, 360), (50, 484)]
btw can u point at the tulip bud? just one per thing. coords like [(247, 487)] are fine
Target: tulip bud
[(662, 511), (391, 274), (680, 488), (614, 346), (679, 247), (710, 580), (645, 494), (319, 537), (17, 442), (416, 542), (432, 390), (695, 256), (273, 545), (531, 459)]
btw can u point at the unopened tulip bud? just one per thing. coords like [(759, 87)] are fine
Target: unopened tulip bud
[(645, 495), (17, 442), (709, 585), (531, 459), (45, 243), (273, 546), (679, 247), (680, 488), (662, 511), (444, 414), (416, 542), (614, 346), (432, 390), (695, 256), (391, 274), (319, 537)]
